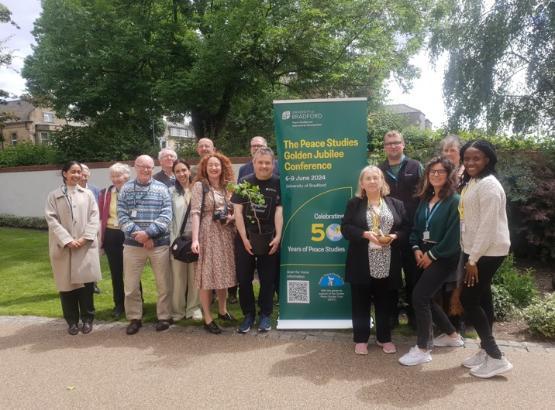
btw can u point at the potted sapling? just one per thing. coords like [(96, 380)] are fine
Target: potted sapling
[(258, 234)]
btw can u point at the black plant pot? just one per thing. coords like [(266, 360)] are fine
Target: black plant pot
[(260, 242)]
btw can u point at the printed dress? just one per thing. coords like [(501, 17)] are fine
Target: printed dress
[(215, 268), (379, 258)]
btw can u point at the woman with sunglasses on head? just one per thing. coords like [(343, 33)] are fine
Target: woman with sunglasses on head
[(435, 243), (485, 241), (73, 223)]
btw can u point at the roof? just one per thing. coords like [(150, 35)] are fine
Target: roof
[(18, 108), (401, 109)]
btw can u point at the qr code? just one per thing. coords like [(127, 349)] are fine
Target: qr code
[(298, 291)]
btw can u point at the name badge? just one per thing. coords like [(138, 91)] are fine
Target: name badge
[(426, 236), (134, 213), (462, 226)]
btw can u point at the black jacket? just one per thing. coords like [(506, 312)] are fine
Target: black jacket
[(405, 185), (354, 224)]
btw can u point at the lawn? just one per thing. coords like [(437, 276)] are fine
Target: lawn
[(28, 287)]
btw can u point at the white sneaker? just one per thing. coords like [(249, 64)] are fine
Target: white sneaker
[(475, 360), (444, 340), (491, 367), (415, 356), (197, 315)]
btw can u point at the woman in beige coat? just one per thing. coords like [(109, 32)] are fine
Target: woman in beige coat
[(73, 223)]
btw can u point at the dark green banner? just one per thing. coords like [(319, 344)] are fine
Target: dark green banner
[(322, 146)]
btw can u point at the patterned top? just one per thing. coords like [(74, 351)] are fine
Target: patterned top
[(379, 259), (145, 207)]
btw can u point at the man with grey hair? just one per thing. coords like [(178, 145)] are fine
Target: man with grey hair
[(85, 175), (145, 214), (205, 146), (246, 169), (166, 157)]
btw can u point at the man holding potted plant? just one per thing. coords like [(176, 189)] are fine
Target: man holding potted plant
[(258, 214)]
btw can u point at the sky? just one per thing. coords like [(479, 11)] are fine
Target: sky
[(425, 95)]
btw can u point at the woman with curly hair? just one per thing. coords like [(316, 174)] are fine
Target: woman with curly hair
[(213, 233), (435, 242)]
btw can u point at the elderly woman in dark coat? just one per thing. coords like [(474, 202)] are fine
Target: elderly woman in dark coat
[(374, 224)]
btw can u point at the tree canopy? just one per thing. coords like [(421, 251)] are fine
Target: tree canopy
[(132, 61), (501, 70)]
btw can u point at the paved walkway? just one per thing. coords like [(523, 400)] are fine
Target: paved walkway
[(43, 367)]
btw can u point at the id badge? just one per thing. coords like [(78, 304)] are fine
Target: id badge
[(426, 236), (134, 213), (462, 226)]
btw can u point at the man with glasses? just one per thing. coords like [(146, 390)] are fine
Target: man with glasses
[(145, 214), (402, 174), (247, 169), (166, 157)]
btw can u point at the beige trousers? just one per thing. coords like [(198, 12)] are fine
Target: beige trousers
[(134, 260), (185, 298)]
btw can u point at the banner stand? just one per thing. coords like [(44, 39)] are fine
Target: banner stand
[(322, 146)]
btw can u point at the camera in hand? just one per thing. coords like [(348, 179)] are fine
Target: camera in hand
[(220, 216)]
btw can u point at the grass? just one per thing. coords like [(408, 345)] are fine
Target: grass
[(28, 286)]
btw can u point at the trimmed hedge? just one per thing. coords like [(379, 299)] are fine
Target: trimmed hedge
[(13, 221)]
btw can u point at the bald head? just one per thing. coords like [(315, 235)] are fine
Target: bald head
[(143, 167), (205, 146)]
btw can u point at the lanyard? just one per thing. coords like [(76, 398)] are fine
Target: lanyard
[(68, 199), (428, 214), (461, 200), (145, 193)]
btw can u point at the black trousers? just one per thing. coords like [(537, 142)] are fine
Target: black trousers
[(412, 274), (78, 303), (113, 247), (362, 297), (426, 310), (267, 267), (477, 302)]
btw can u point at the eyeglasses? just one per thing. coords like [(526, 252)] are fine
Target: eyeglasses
[(437, 172), (393, 144), (145, 167), (257, 145)]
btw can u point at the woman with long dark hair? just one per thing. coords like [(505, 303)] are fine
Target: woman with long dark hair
[(185, 298), (435, 243), (72, 216), (485, 242)]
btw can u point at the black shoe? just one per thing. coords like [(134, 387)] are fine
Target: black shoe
[(73, 329), (163, 325), (213, 328), (87, 328), (96, 289), (226, 317), (118, 312), (134, 326)]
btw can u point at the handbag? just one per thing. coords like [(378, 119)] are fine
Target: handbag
[(181, 246)]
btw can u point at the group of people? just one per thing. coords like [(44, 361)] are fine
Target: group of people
[(434, 229), (135, 221), (445, 227)]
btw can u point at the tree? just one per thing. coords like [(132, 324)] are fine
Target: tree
[(124, 60), (501, 70)]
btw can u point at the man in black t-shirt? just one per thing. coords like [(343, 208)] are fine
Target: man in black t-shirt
[(270, 216)]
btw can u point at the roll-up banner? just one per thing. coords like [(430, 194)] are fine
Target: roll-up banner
[(322, 146)]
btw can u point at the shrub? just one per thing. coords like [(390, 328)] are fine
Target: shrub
[(30, 222), (27, 153), (520, 286), (502, 303), (540, 316)]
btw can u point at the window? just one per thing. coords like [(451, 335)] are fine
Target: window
[(14, 138), (48, 117), (179, 132), (44, 138)]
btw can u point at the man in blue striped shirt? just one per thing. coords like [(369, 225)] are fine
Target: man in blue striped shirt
[(145, 214)]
